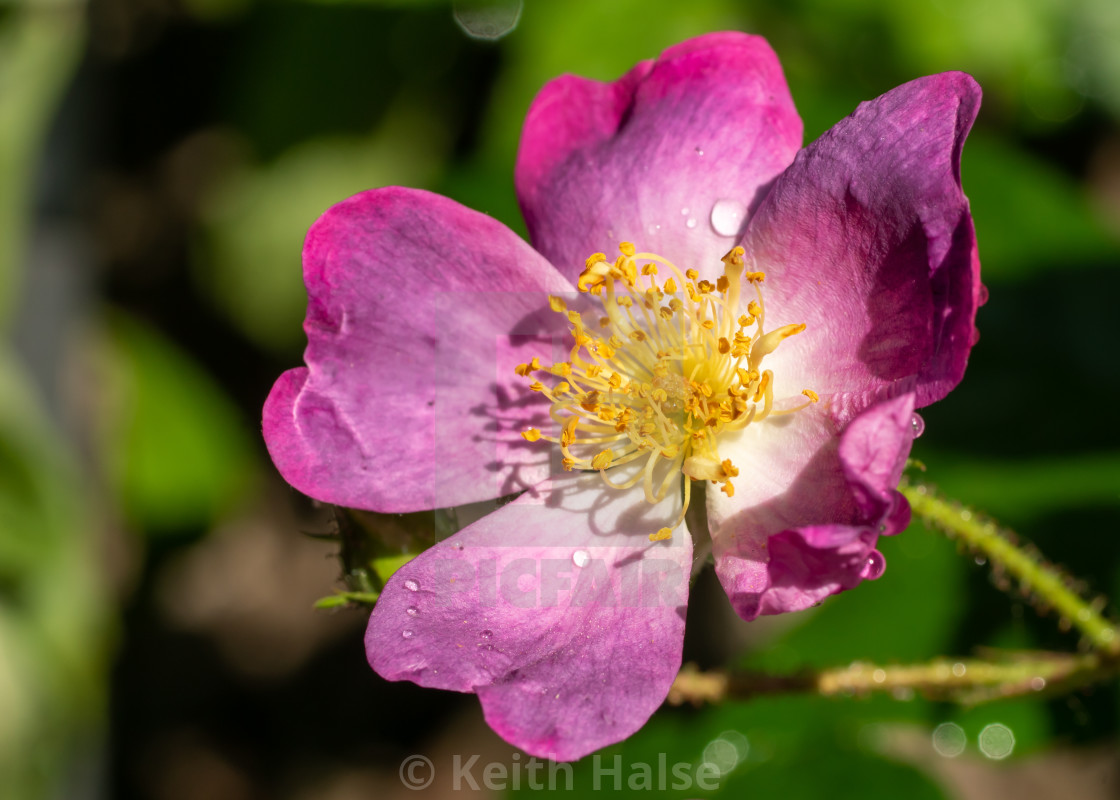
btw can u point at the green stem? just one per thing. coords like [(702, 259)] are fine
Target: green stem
[(1041, 580), (966, 680)]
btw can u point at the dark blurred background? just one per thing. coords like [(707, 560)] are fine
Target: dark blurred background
[(160, 163)]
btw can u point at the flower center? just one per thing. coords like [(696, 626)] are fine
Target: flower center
[(666, 371)]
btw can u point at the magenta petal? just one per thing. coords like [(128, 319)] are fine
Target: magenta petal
[(867, 238), (556, 609), (418, 311), (645, 159), (794, 549)]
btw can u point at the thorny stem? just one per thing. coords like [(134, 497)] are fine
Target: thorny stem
[(1038, 579), (967, 681)]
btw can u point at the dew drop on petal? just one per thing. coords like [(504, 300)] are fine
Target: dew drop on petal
[(699, 151), (406, 634), (918, 425), (684, 211), (485, 634), (580, 558), (983, 295), (727, 216), (411, 585), (411, 611), (876, 565), (690, 222)]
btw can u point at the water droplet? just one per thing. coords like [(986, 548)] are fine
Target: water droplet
[(690, 222), (411, 611), (699, 151), (580, 558), (1038, 683), (406, 634), (411, 585), (876, 565), (486, 634), (959, 669), (918, 425), (652, 229), (487, 647), (487, 21), (980, 561), (456, 545), (879, 676), (983, 295), (727, 216), (684, 211)]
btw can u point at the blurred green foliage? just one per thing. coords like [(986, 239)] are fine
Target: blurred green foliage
[(310, 102)]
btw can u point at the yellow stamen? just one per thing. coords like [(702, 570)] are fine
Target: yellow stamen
[(665, 376)]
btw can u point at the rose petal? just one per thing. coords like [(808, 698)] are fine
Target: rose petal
[(556, 609), (803, 525), (645, 159), (868, 240), (418, 311)]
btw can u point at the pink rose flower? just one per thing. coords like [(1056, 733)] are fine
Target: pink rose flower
[(770, 321)]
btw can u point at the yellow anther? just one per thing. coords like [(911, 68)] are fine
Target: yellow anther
[(763, 384), (727, 489), (557, 304), (769, 343), (561, 388), (562, 369), (627, 249), (691, 274), (754, 308), (813, 396), (568, 434), (590, 401), (536, 386), (604, 322), (734, 256), (705, 287), (602, 460), (670, 286), (524, 369), (724, 345), (574, 318), (649, 269), (661, 535), (594, 259), (665, 312), (755, 277), (746, 321), (531, 435), (722, 283), (729, 469)]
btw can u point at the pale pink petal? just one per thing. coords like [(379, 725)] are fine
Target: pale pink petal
[(555, 609), (418, 311), (868, 240), (809, 505), (647, 158)]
